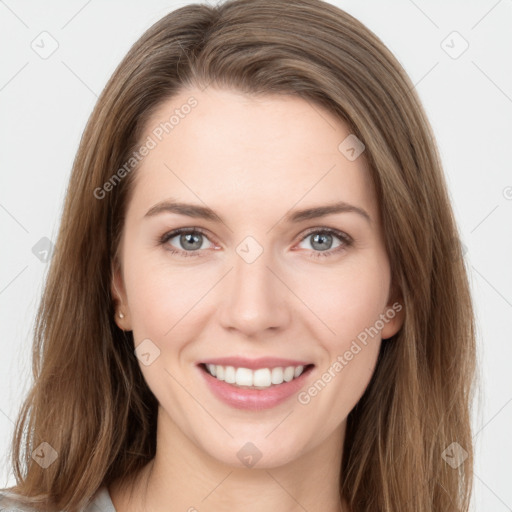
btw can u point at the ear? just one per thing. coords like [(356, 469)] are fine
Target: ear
[(117, 289), (394, 314)]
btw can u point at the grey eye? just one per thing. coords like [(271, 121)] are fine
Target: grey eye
[(190, 241), (321, 241)]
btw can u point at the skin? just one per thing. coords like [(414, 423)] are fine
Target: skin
[(252, 160)]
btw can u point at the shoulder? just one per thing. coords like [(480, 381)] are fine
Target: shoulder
[(10, 502), (100, 502)]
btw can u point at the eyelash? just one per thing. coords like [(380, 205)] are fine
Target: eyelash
[(343, 237)]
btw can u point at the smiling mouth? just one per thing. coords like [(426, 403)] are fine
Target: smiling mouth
[(261, 378)]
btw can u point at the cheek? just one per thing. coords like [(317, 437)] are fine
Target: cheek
[(160, 294), (342, 301), (349, 303), (349, 299)]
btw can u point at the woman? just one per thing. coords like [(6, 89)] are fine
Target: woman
[(314, 347)]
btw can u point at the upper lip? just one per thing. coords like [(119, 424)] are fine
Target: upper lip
[(254, 364)]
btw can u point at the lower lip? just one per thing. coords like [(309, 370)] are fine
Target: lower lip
[(254, 399)]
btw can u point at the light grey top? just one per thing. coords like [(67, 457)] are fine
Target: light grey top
[(100, 502)]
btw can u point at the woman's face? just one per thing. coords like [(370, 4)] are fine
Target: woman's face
[(255, 278)]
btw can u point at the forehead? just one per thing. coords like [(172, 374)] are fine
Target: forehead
[(247, 150)]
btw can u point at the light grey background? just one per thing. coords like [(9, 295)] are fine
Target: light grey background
[(45, 103)]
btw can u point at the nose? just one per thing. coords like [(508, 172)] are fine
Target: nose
[(256, 299)]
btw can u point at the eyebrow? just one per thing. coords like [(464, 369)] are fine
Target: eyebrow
[(203, 212)]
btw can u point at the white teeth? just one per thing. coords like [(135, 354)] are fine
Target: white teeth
[(260, 378), (288, 373), (277, 375), (229, 375), (243, 377)]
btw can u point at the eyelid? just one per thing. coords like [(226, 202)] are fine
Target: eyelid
[(179, 231), (346, 239), (337, 232)]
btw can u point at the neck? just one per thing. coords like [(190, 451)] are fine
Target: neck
[(191, 480)]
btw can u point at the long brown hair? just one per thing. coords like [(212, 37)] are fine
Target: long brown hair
[(89, 401)]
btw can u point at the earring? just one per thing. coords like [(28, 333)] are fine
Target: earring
[(121, 315)]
